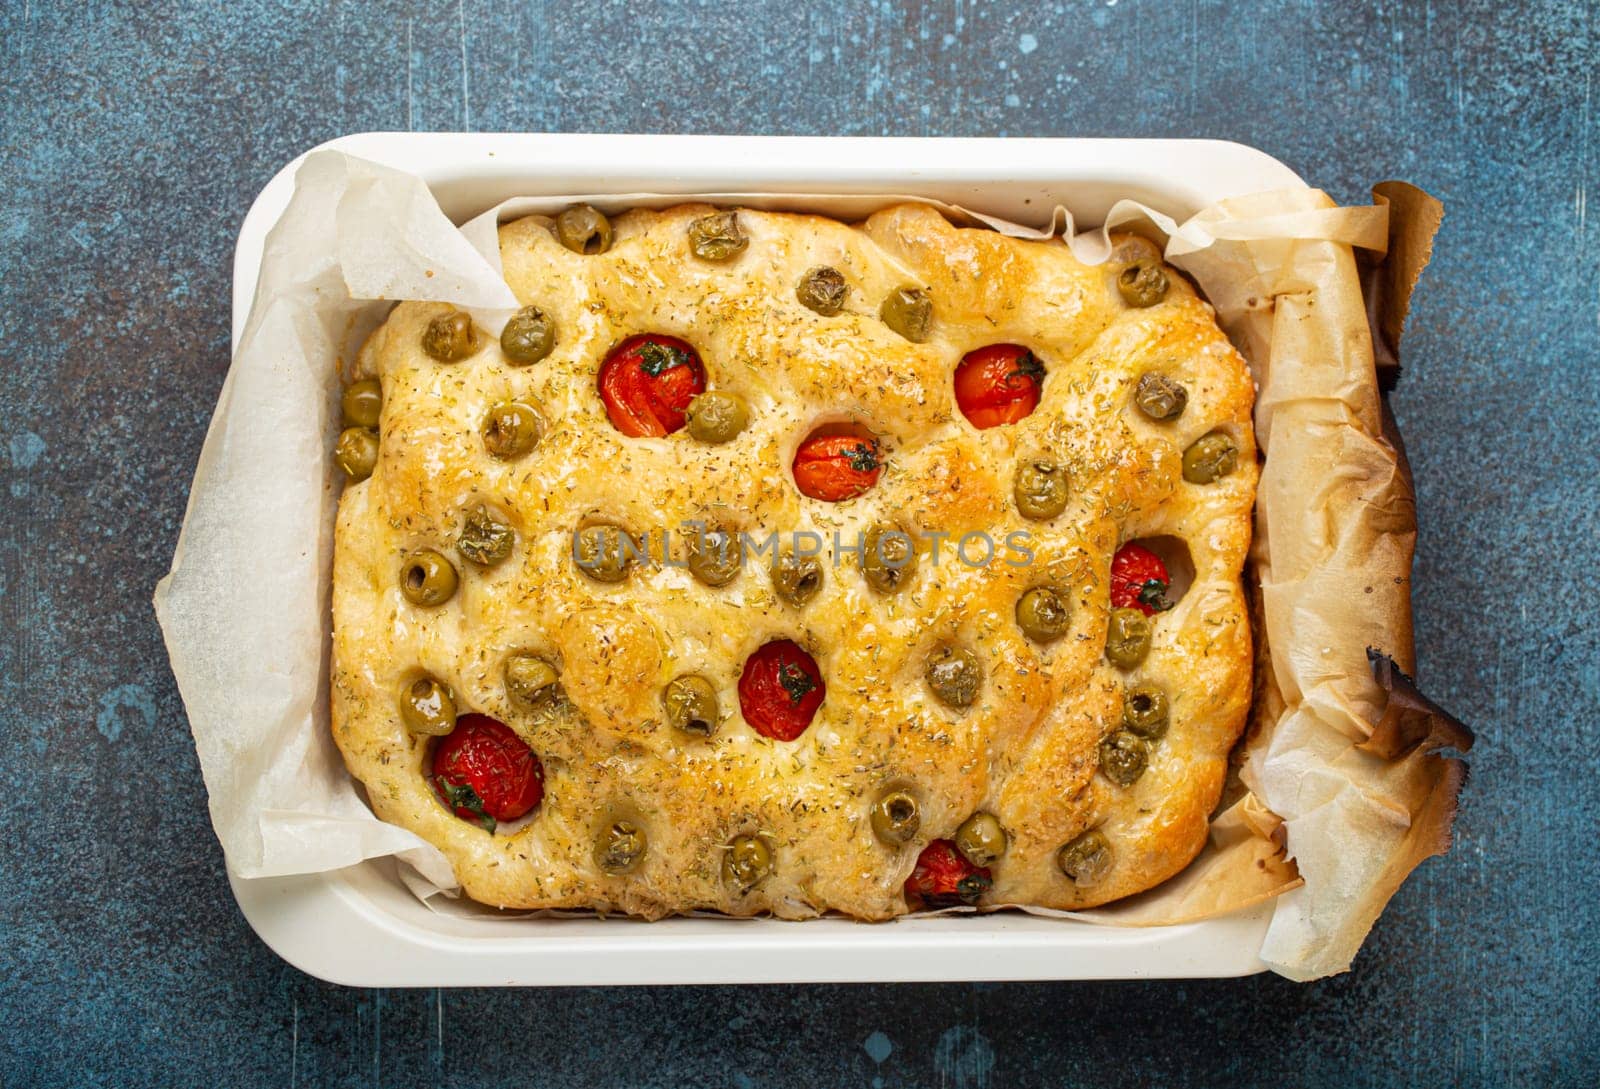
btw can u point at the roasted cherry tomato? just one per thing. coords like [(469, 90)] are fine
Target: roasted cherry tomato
[(837, 467), (998, 384), (1139, 580), (943, 876), (647, 383), (780, 690), (486, 773)]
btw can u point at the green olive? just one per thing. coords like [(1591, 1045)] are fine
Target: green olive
[(1040, 489), (717, 417), (747, 862), (604, 553), (981, 839), (528, 337), (888, 559), (450, 337), (362, 403), (1144, 284), (690, 702), (1127, 637), (1211, 456), (620, 846), (511, 429), (1144, 710), (909, 312), (485, 540), (717, 237), (896, 816), (357, 452), (1123, 757), (427, 707), (796, 578), (954, 675), (583, 230), (530, 679), (1160, 397), (427, 578), (1086, 859), (1043, 615), (823, 289), (714, 556)]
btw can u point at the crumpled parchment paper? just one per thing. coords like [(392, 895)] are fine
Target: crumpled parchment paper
[(1318, 817)]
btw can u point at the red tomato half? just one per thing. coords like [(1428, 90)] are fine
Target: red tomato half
[(943, 876), (837, 467), (647, 383), (1139, 580), (998, 384), (780, 690), (486, 773)]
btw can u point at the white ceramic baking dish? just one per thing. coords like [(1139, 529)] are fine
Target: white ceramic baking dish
[(360, 926)]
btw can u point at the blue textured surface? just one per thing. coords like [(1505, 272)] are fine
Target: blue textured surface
[(132, 139)]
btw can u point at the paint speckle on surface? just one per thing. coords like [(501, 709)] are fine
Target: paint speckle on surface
[(26, 449), (877, 1047), (963, 1058), (115, 705), (1027, 44)]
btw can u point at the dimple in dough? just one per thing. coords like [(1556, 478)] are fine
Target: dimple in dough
[(1025, 750)]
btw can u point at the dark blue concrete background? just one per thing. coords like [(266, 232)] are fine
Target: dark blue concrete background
[(132, 139)]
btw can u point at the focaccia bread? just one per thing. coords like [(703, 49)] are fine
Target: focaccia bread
[(868, 733)]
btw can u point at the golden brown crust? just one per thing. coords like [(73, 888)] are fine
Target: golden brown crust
[(1026, 750)]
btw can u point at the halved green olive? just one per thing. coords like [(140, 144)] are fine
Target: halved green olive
[(1160, 397), (530, 679), (450, 337), (747, 862), (1086, 859), (427, 707), (1143, 284), (954, 675), (1144, 710), (796, 578), (981, 839), (909, 312), (717, 417), (823, 289), (604, 553), (511, 429), (357, 452), (888, 559), (717, 237), (427, 578), (1043, 615), (1127, 637), (1209, 457), (484, 539), (583, 230), (691, 705), (620, 846), (528, 337), (896, 817), (1040, 489), (362, 403), (1123, 757), (713, 556)]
